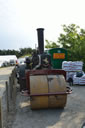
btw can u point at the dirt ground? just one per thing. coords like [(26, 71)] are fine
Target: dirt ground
[(21, 116), (72, 116), (4, 76)]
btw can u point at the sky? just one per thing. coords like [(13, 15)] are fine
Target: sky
[(19, 20)]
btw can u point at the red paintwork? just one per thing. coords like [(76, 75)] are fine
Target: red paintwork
[(54, 94), (42, 72)]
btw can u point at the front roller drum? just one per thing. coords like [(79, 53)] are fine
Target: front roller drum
[(47, 91)]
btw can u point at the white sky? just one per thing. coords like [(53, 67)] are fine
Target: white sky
[(19, 20)]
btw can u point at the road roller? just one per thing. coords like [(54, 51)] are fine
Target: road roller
[(46, 86)]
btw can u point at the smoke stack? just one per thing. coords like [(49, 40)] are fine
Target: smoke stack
[(40, 40)]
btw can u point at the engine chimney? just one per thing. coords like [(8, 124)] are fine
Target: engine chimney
[(40, 40)]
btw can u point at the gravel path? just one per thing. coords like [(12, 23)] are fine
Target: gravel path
[(4, 76), (72, 116)]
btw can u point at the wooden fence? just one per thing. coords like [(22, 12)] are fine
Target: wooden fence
[(10, 94), (1, 113)]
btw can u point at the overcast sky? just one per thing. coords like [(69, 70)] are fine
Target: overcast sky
[(19, 20)]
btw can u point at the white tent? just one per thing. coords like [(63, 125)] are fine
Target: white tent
[(7, 58)]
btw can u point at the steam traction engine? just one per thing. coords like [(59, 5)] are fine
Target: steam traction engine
[(46, 86)]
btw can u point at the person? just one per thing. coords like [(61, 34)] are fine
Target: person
[(27, 63)]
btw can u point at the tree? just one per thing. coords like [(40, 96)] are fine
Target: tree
[(18, 53), (51, 44), (24, 51), (73, 40)]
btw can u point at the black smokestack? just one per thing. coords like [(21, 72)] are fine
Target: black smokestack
[(40, 40)]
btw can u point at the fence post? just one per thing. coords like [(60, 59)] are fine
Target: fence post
[(10, 87), (13, 77), (7, 96), (0, 114)]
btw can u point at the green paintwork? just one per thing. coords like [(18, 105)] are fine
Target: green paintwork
[(57, 63)]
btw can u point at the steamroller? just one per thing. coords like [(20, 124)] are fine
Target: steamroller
[(46, 86)]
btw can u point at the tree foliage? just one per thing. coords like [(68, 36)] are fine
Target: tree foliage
[(73, 40), (18, 53), (51, 44), (25, 51)]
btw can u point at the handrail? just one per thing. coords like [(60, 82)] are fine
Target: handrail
[(68, 91)]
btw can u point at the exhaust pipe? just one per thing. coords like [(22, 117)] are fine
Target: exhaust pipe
[(40, 40)]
